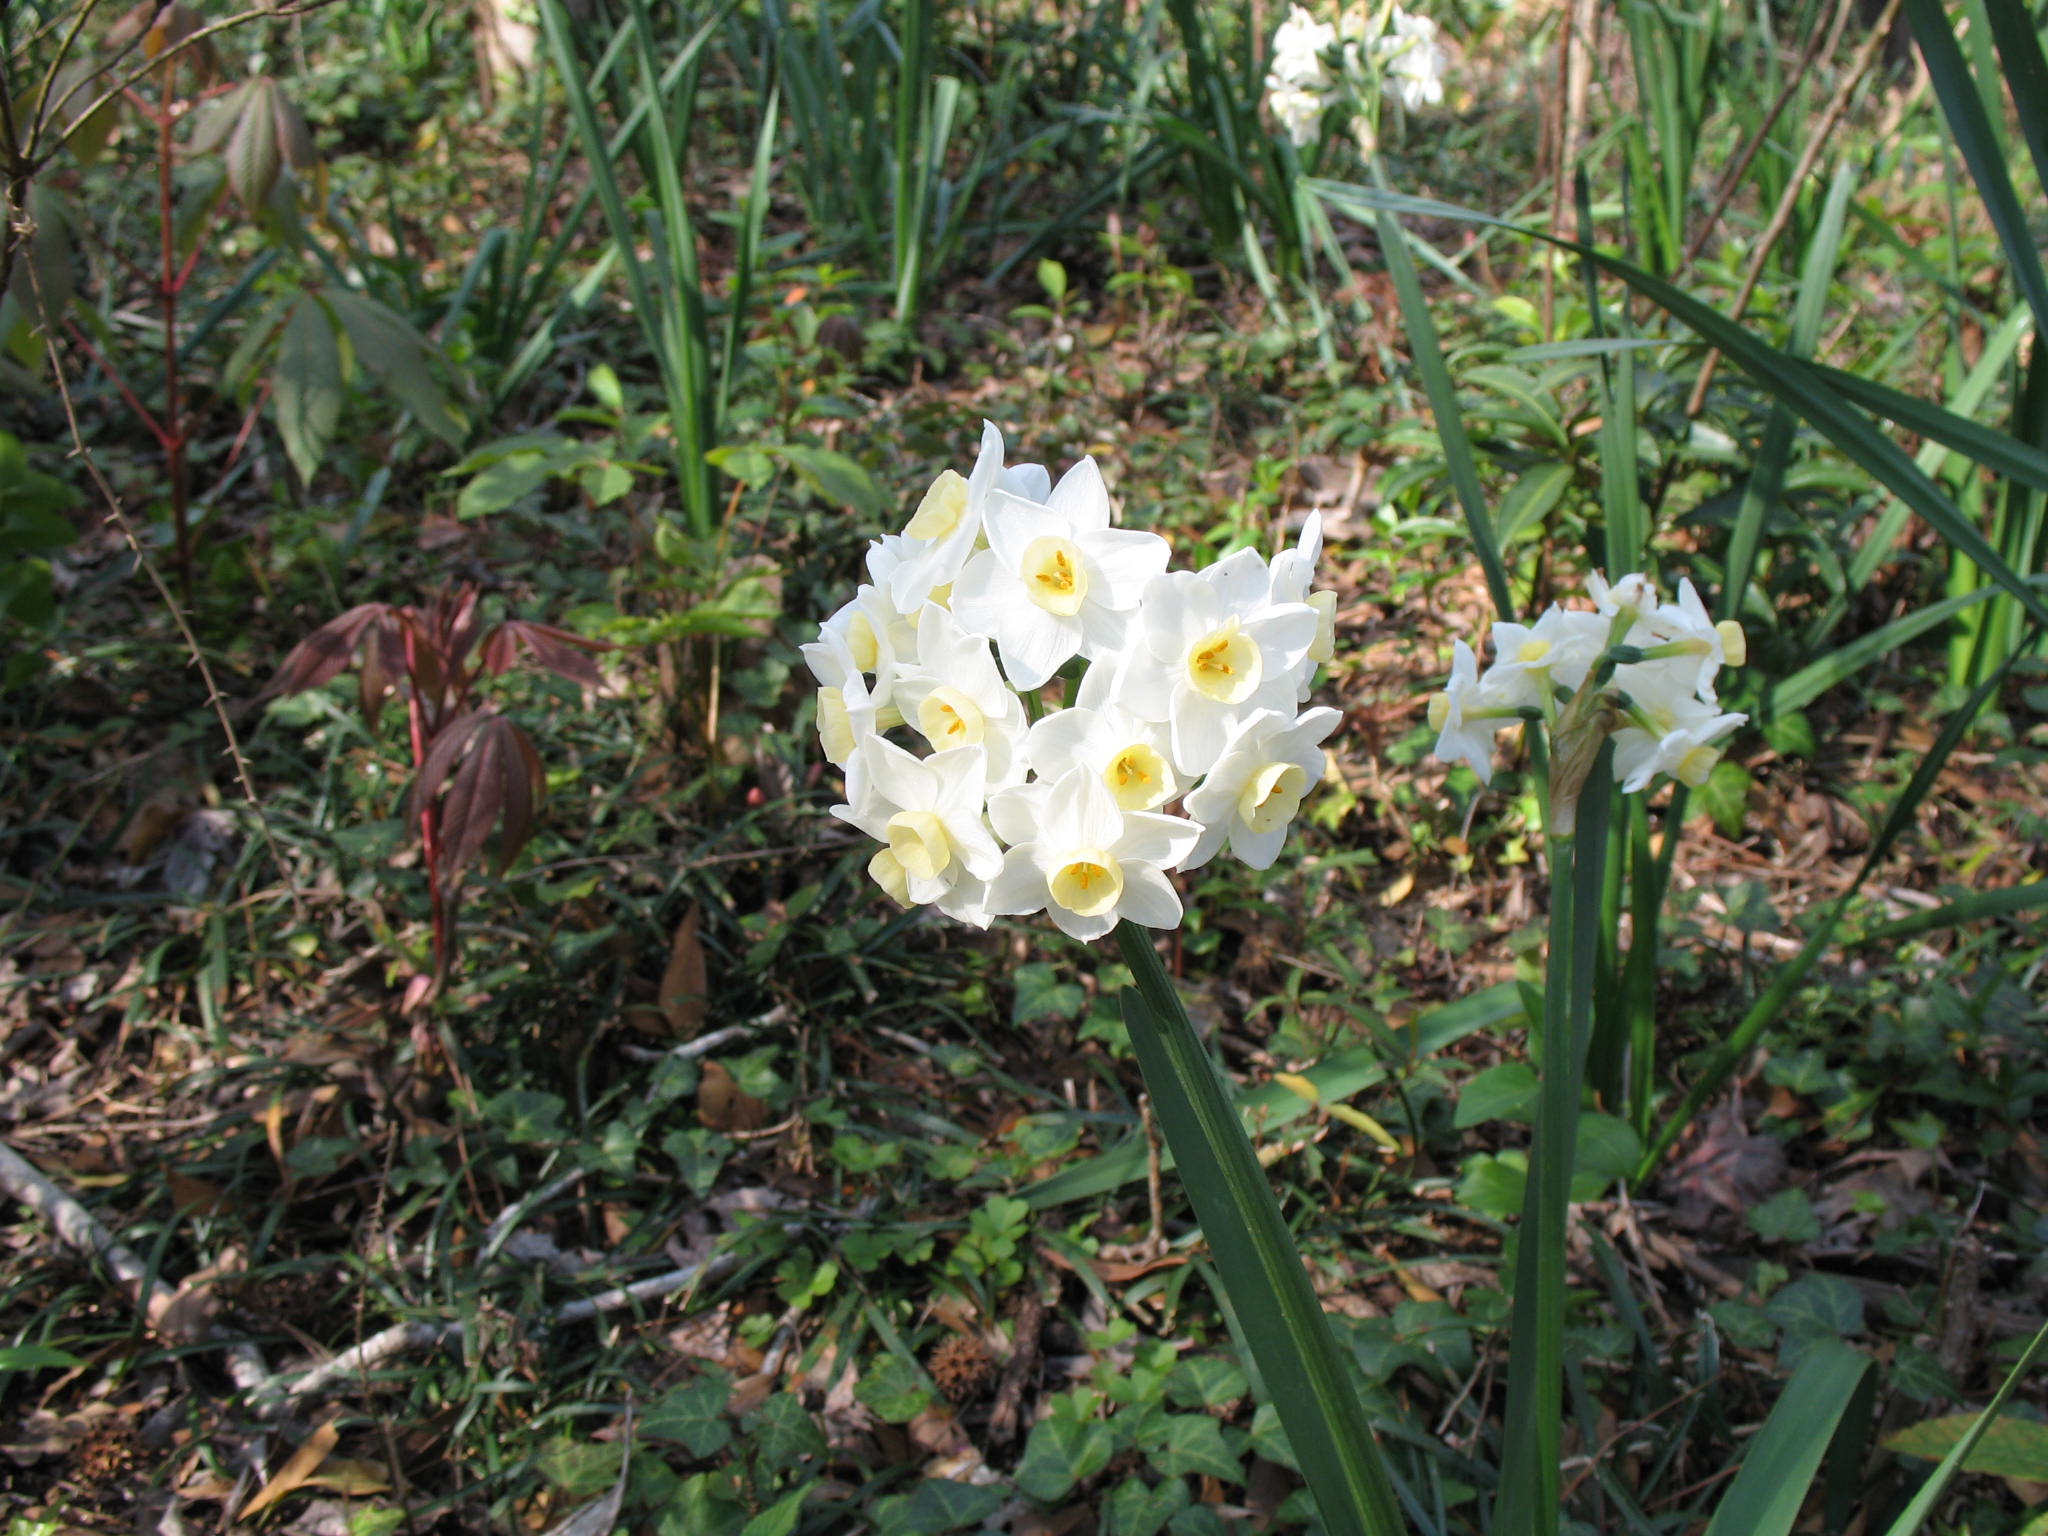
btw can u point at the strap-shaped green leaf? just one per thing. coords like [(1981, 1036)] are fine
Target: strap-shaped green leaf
[(1766, 1495), (1956, 89), (1306, 1374), (1787, 378)]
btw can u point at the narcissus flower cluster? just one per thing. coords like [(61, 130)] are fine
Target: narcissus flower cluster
[(1308, 70), (1635, 669), (1035, 715)]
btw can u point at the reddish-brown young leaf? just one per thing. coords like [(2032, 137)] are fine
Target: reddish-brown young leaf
[(494, 781), (456, 623), (560, 651), (441, 756), (382, 665), (324, 654)]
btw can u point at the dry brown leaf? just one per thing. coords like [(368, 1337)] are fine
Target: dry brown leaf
[(153, 821), (188, 1316), (356, 1479), (723, 1107), (685, 985), (301, 1466)]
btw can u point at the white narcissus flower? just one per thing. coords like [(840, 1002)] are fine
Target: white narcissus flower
[(1414, 60), (1211, 648), (1687, 623), (1298, 46), (1559, 648), (1056, 581), (1635, 593), (1294, 573), (929, 813), (1466, 715), (942, 533), (869, 632), (1086, 863), (1298, 112), (954, 696), (1130, 755), (1682, 745), (1252, 793)]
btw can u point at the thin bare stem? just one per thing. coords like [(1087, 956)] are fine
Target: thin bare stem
[(214, 698), (1837, 109)]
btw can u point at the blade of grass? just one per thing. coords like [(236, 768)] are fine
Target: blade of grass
[(1785, 377), (1305, 1371), (2026, 74), (1765, 1010), (683, 385), (1915, 1513), (1817, 677), (746, 250), (1963, 106), (1974, 908), (1767, 1492), (1443, 404)]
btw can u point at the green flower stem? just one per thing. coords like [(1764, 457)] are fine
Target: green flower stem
[(1529, 1488), (1307, 1374)]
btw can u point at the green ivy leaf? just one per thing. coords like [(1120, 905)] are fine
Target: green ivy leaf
[(1916, 1374), (783, 1432), (939, 1505), (1206, 1381), (527, 1116), (1819, 1306), (692, 1415), (895, 1389), (1136, 1509), (1040, 994), (1743, 1325), (1787, 1217), (1193, 1442), (1061, 1452), (1725, 797)]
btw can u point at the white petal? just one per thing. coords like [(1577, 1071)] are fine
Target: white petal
[(1213, 834), (896, 776), (1060, 741), (1020, 888), (1075, 926), (1150, 838), (1012, 523), (1148, 898), (1124, 559), (1081, 499), (1018, 813), (1035, 644), (1257, 849), (1201, 730)]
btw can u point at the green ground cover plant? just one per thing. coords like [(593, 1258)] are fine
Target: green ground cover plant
[(1510, 1153)]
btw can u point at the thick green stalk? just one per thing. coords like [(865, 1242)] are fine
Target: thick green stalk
[(1532, 1435), (1306, 1373)]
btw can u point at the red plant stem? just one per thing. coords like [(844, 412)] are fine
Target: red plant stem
[(142, 411), (430, 838)]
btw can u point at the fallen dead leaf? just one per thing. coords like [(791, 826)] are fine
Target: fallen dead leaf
[(685, 985), (721, 1104), (298, 1468)]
